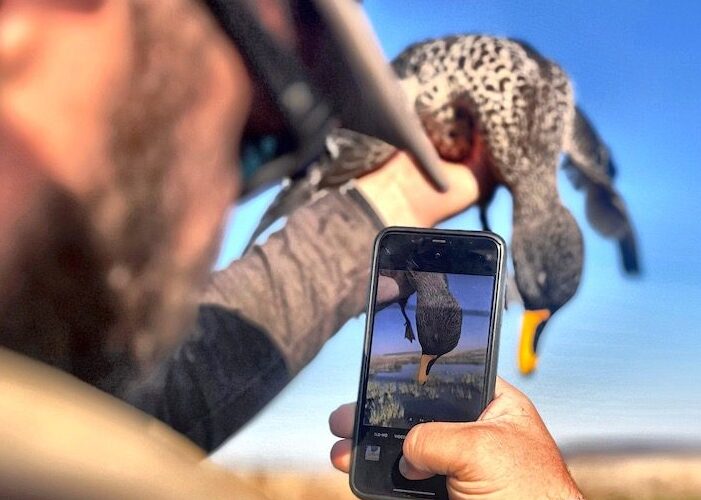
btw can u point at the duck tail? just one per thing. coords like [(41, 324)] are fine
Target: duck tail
[(629, 253)]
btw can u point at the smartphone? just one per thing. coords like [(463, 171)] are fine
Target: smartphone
[(431, 344)]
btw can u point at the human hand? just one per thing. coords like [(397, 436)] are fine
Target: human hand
[(402, 196), (507, 453), (392, 286)]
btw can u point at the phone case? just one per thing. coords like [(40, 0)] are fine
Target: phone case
[(492, 348)]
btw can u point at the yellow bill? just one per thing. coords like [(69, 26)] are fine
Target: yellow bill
[(424, 367), (533, 322)]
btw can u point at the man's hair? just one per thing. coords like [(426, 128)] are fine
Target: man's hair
[(146, 207)]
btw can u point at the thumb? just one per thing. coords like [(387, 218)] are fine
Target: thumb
[(441, 448), (412, 473)]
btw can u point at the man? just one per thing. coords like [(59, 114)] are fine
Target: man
[(120, 131)]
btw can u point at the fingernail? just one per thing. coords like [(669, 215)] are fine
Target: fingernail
[(404, 468), (412, 473)]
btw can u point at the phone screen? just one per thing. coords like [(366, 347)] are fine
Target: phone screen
[(429, 348)]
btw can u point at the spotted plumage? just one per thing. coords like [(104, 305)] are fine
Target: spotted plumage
[(498, 102)]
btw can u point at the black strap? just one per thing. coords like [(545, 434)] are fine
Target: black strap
[(307, 114)]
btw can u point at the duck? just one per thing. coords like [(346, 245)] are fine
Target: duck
[(498, 103), (547, 244)]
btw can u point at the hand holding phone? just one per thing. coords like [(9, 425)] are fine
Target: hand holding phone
[(507, 453), (430, 348)]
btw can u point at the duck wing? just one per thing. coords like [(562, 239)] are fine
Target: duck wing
[(352, 155), (589, 167), (293, 195), (348, 156)]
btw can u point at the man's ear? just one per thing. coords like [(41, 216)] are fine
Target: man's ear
[(19, 37), (21, 23)]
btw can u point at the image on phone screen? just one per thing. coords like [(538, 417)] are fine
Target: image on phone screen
[(428, 350)]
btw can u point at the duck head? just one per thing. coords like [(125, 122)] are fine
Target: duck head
[(548, 257)]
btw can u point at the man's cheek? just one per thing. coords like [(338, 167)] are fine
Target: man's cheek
[(201, 230)]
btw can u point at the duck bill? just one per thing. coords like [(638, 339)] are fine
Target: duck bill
[(531, 327), (425, 365)]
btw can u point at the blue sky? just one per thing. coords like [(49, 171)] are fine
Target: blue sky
[(622, 359)]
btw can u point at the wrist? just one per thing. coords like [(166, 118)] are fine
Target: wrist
[(402, 196), (395, 192), (391, 203), (573, 492), (570, 490)]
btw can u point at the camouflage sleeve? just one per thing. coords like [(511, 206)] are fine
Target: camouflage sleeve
[(264, 318)]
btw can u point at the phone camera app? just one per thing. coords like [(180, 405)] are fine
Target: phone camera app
[(372, 453)]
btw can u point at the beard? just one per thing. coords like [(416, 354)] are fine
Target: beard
[(54, 301), (105, 299)]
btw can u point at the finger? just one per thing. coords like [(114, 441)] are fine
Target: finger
[(502, 391), (412, 473), (341, 420), (508, 400), (504, 388), (439, 447), (341, 455), (501, 386), (387, 289)]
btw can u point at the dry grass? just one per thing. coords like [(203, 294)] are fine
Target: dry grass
[(640, 477)]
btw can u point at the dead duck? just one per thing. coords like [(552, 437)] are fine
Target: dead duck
[(438, 319), (498, 103)]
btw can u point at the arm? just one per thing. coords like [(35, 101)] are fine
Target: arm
[(266, 316), (62, 438), (263, 318)]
